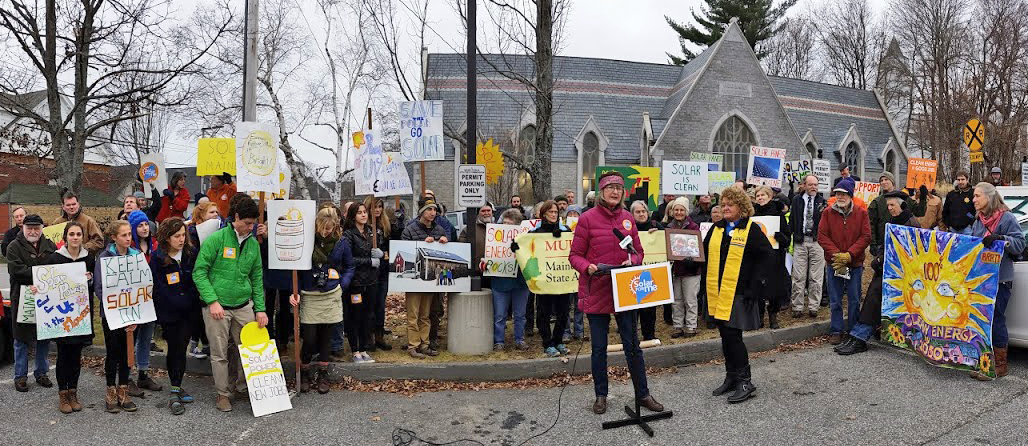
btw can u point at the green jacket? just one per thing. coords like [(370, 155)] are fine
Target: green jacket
[(878, 213), (228, 274)]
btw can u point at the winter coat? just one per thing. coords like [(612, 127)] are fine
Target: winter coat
[(221, 197), (1011, 232), (798, 210), (94, 241), (933, 213), (649, 224), (688, 267), (111, 251), (62, 256), (228, 272), (174, 204), (21, 257), (958, 211), (776, 287), (339, 260), (878, 215), (595, 244), (174, 292), (476, 257), (699, 215), (9, 237), (360, 248), (275, 279), (745, 306), (845, 233), (419, 232)]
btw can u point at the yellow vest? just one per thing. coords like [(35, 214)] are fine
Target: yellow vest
[(721, 294)]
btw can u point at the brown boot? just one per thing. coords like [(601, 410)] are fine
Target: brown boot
[(124, 400), (323, 380), (73, 399), (1001, 361), (64, 406), (305, 378), (111, 400)]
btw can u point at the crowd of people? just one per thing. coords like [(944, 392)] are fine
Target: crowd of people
[(206, 290)]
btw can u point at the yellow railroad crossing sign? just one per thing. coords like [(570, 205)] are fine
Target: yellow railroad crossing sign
[(974, 135)]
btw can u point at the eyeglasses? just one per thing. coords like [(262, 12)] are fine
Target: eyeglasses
[(616, 187)]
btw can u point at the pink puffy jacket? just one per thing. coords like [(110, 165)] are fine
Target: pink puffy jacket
[(595, 243)]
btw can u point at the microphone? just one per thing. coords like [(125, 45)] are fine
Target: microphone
[(626, 241)]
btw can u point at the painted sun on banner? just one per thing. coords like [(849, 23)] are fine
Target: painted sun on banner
[(938, 296)]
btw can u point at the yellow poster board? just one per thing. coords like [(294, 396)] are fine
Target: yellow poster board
[(55, 233), (654, 247), (216, 156), (544, 263)]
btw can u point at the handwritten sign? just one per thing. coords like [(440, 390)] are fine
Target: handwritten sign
[(151, 170), (796, 171), (26, 306), (55, 233), (265, 382), (544, 263), (822, 169), (291, 234), (257, 157), (368, 160), (713, 161), (499, 260), (421, 130), (488, 154), (127, 290), (866, 191), (392, 176), (717, 182), (921, 172), (62, 303), (683, 178), (215, 156), (766, 166)]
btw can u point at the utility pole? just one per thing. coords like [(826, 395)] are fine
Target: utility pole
[(471, 225), (250, 30)]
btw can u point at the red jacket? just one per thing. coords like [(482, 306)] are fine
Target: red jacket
[(851, 234), (595, 243), (174, 206)]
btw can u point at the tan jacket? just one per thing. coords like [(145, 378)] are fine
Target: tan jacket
[(933, 214), (94, 242)]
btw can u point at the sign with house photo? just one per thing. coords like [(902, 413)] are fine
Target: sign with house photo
[(416, 266)]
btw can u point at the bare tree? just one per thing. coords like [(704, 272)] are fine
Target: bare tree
[(851, 41), (98, 44), (791, 51)]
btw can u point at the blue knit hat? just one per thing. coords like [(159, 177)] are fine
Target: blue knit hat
[(135, 219), (845, 185)]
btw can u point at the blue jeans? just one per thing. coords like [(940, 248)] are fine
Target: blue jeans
[(861, 331), (338, 338), (599, 325), (578, 321), (144, 335), (21, 359), (838, 285), (1000, 337), (517, 299)]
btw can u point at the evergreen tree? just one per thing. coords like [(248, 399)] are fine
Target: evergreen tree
[(758, 20)]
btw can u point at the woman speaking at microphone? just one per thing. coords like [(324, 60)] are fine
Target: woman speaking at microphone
[(596, 244)]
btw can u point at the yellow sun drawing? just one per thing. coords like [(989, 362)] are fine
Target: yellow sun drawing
[(934, 287)]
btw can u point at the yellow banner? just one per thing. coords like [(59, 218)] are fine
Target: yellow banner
[(215, 156), (544, 262), (654, 247)]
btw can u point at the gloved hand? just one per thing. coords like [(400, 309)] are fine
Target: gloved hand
[(168, 193), (514, 246), (375, 261), (377, 253), (556, 233), (844, 258), (988, 240)]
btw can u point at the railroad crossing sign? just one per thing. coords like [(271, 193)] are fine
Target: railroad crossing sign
[(974, 135)]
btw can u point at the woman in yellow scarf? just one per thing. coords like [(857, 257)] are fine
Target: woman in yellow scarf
[(736, 248)]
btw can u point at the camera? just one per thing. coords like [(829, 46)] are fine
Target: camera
[(320, 278)]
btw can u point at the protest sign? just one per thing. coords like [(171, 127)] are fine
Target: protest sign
[(392, 176), (642, 286), (765, 167), (291, 234), (717, 182), (866, 191), (704, 229), (796, 171), (257, 157), (205, 229), (367, 160), (1024, 174), (62, 303), (417, 266), (713, 161), (285, 177), (55, 233), (921, 172), (489, 155), (684, 178), (265, 382), (127, 290), (822, 169), (654, 247), (215, 156), (151, 170), (499, 260), (571, 223), (771, 225), (544, 262), (26, 306), (421, 130), (641, 183), (938, 296)]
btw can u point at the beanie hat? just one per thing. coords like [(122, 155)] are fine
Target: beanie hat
[(845, 185), (135, 219), (428, 204), (889, 175)]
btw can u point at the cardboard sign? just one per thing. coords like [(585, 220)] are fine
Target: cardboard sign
[(642, 286), (416, 266), (866, 191), (714, 162), (920, 172), (392, 177), (291, 234), (62, 304), (257, 157), (918, 261), (499, 260), (205, 229), (215, 156), (765, 167), (796, 171), (127, 290), (151, 170), (822, 169), (544, 263), (770, 225), (265, 382), (26, 306), (641, 183), (684, 178), (367, 160), (421, 130), (654, 247), (717, 182)]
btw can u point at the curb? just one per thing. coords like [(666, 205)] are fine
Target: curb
[(662, 356)]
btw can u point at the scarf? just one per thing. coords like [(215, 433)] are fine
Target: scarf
[(902, 219), (721, 298), (844, 211), (323, 247), (992, 221)]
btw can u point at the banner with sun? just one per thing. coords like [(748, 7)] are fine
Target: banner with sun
[(938, 295), (544, 263)]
